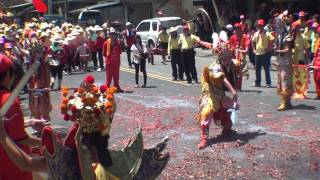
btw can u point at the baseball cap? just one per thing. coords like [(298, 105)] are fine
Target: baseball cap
[(301, 14), (8, 46), (112, 30), (261, 22), (237, 25)]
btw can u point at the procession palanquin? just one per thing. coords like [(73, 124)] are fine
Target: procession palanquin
[(84, 152)]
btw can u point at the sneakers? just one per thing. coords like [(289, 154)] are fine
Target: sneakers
[(174, 79), (256, 85), (144, 86), (99, 70), (269, 86), (136, 86)]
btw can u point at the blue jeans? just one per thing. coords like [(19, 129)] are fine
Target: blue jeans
[(264, 61)]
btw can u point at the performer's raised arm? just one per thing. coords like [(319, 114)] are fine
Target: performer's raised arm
[(24, 161)]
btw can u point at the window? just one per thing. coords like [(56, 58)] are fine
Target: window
[(154, 26), (145, 26), (171, 23)]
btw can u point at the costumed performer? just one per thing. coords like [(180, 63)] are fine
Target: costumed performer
[(214, 103)]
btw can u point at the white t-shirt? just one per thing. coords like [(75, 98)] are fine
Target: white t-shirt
[(136, 53)]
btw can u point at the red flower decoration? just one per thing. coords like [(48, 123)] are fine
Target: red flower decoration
[(97, 112), (66, 117), (89, 79), (103, 88), (73, 109), (71, 97)]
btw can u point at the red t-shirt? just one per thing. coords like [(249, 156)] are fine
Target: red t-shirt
[(99, 43), (239, 43), (15, 130), (129, 36), (114, 56)]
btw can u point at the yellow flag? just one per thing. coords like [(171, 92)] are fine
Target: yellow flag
[(300, 81)]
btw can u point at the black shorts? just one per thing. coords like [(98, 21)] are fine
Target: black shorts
[(163, 45)]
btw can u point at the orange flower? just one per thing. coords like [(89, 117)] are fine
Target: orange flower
[(114, 89), (65, 88), (65, 100), (110, 91), (64, 93), (63, 108), (80, 91), (110, 97), (109, 110), (90, 101), (95, 90), (108, 104)]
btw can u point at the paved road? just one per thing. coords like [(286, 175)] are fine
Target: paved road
[(269, 144)]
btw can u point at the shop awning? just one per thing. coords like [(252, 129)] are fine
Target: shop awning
[(97, 6)]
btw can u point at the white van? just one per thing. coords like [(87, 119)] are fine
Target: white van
[(149, 29)]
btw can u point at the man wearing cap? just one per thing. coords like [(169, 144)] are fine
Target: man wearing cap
[(316, 63), (129, 36), (262, 44), (244, 26), (300, 60), (313, 39), (163, 38), (302, 19), (93, 48), (99, 45), (111, 52), (14, 127), (174, 52), (239, 42), (187, 42), (301, 45), (98, 32), (56, 61)]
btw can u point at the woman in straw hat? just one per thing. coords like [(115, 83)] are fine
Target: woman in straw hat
[(174, 52), (55, 57)]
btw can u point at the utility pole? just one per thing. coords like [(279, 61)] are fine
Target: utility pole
[(66, 7), (50, 7)]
